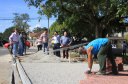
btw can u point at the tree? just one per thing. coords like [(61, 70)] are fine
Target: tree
[(73, 29), (38, 29), (8, 32), (20, 21), (1, 35), (97, 13), (126, 37)]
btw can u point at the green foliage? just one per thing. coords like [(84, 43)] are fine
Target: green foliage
[(1, 35), (98, 14), (8, 32), (20, 21), (60, 28), (126, 37), (38, 29), (74, 29)]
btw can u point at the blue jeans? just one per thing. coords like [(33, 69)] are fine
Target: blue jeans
[(57, 46), (15, 49), (45, 45), (21, 50)]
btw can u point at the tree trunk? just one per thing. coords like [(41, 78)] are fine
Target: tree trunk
[(98, 32)]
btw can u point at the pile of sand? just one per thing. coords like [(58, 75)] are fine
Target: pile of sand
[(40, 57)]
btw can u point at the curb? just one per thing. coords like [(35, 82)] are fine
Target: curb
[(24, 78)]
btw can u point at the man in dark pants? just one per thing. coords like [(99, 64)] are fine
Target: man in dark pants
[(124, 45), (11, 45), (102, 47), (65, 41), (21, 44), (56, 39)]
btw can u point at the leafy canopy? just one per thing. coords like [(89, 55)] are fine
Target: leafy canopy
[(96, 13), (38, 29), (21, 21)]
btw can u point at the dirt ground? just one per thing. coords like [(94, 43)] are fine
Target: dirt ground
[(5, 73), (5, 66)]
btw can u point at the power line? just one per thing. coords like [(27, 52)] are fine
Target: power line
[(29, 19), (20, 19)]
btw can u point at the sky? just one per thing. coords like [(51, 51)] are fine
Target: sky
[(8, 7)]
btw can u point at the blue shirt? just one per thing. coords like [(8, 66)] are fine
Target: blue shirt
[(97, 43), (124, 46), (21, 41), (65, 40)]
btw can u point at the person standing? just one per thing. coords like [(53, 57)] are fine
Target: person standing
[(21, 44), (25, 43), (65, 41), (14, 38), (11, 44), (44, 38), (124, 45), (103, 48), (56, 39), (39, 44)]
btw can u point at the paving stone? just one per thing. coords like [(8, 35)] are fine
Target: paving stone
[(122, 78)]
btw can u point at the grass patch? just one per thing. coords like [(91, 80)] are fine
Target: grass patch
[(75, 55)]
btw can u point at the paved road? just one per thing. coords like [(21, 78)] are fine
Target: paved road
[(56, 73), (3, 51), (47, 69)]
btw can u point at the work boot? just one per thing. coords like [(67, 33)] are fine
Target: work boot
[(112, 73), (88, 72), (99, 73)]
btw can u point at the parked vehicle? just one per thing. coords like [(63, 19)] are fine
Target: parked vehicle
[(114, 45), (1, 44), (7, 45), (4, 41)]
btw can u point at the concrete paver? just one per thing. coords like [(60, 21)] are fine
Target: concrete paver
[(56, 73)]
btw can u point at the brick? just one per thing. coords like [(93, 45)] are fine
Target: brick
[(122, 78), (119, 64)]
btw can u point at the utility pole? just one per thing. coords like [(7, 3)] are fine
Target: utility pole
[(48, 32)]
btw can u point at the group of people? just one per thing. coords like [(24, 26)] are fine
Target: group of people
[(101, 46), (17, 40), (43, 41), (64, 41)]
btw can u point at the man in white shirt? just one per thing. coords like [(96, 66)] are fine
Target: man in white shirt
[(56, 39), (14, 38)]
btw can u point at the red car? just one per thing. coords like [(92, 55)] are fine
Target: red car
[(7, 45)]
